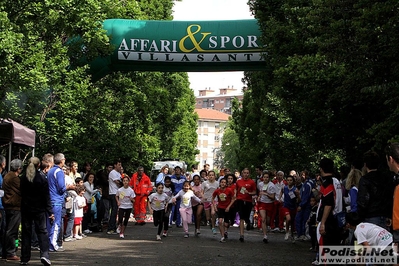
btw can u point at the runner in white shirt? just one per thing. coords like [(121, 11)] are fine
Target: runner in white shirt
[(186, 212), (267, 195), (157, 204), (124, 198), (208, 187)]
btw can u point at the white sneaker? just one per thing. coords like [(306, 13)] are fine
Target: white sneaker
[(158, 237), (118, 230), (197, 231), (78, 237), (87, 231), (316, 262), (287, 235), (222, 240), (121, 236)]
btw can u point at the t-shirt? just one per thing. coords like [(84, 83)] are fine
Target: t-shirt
[(327, 199), (186, 198), (269, 188), (373, 234), (168, 191), (243, 187), (113, 176), (224, 197), (125, 195), (158, 201), (80, 202), (289, 197), (208, 189), (197, 191)]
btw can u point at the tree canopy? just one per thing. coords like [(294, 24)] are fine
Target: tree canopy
[(137, 117), (330, 84)]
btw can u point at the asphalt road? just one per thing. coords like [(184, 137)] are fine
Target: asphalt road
[(139, 247)]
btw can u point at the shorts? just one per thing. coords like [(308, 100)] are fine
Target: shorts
[(223, 214), (207, 205), (244, 209), (287, 211), (268, 207), (77, 220)]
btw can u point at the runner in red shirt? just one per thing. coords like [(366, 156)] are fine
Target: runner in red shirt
[(225, 198), (245, 189)]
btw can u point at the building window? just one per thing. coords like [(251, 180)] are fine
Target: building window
[(217, 138), (228, 102), (217, 125)]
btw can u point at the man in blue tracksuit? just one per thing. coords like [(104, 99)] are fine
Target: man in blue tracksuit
[(304, 208), (178, 180), (56, 182)]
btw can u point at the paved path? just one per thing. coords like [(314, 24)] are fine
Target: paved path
[(141, 248)]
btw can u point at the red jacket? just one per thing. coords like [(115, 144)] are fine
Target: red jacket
[(141, 187)]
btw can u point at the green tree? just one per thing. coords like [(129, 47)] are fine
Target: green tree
[(329, 83), (44, 51)]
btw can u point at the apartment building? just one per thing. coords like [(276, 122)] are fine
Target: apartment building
[(210, 133), (219, 101)]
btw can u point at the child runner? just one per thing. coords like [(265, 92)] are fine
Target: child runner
[(124, 198), (245, 189), (231, 184), (186, 212), (208, 187), (312, 223), (80, 203), (168, 189), (157, 204), (267, 194), (225, 199), (197, 207), (291, 197)]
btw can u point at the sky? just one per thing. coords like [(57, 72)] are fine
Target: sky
[(213, 10)]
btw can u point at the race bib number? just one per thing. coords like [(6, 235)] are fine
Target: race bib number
[(122, 195), (242, 190), (157, 204), (222, 197), (265, 187), (291, 194), (186, 201)]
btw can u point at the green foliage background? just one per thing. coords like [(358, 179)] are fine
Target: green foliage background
[(330, 87), (137, 117)]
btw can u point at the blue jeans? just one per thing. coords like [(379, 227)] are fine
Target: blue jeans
[(69, 227), (301, 219)]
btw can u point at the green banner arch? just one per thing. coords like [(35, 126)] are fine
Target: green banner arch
[(211, 46)]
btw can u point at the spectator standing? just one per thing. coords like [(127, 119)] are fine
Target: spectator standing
[(57, 189), (35, 208), (2, 212), (328, 230), (12, 207), (374, 199), (115, 182)]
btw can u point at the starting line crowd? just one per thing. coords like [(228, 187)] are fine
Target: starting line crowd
[(54, 203)]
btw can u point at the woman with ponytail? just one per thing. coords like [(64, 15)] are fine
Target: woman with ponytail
[(35, 208)]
